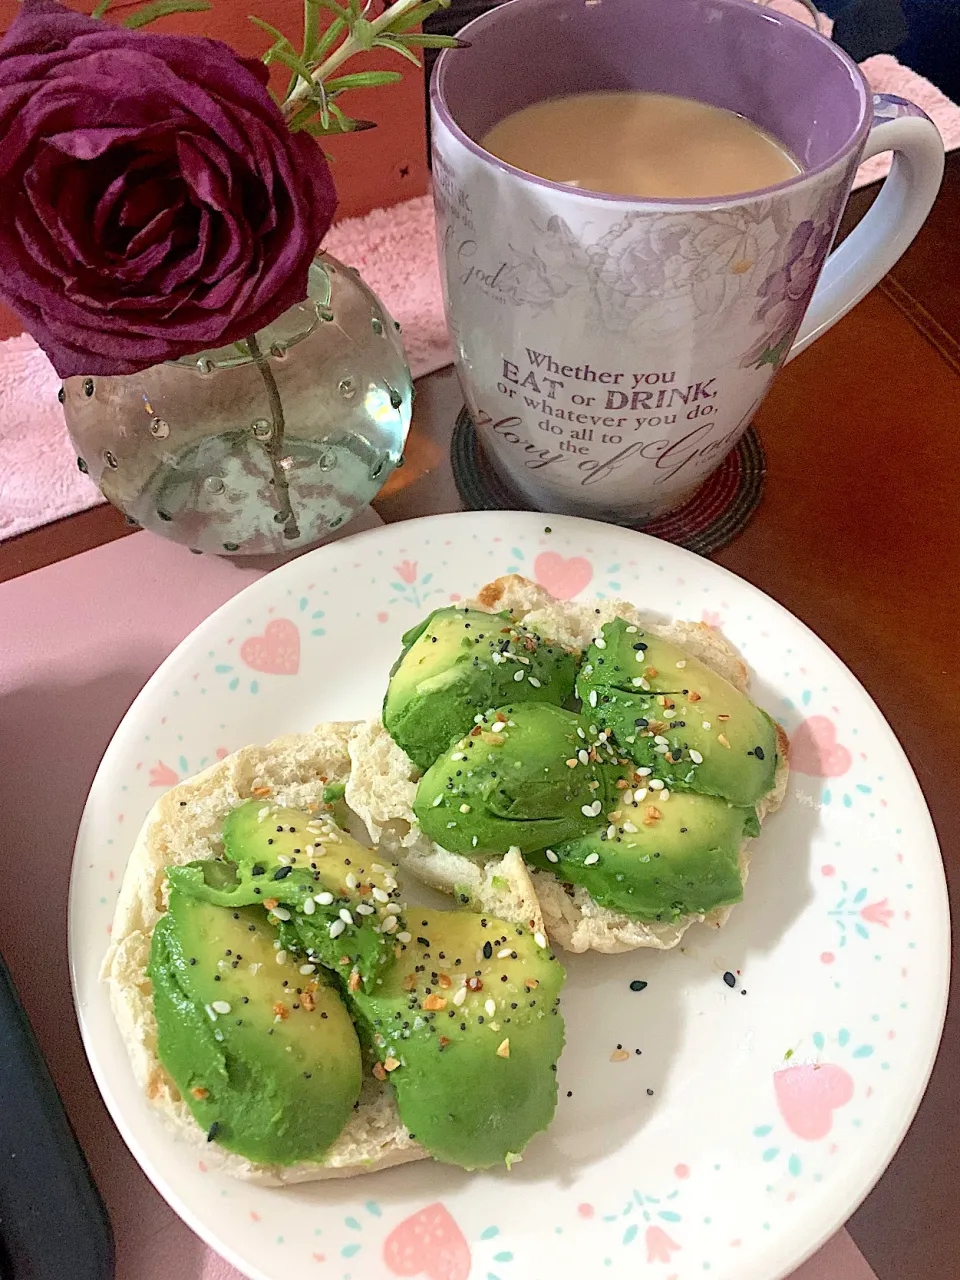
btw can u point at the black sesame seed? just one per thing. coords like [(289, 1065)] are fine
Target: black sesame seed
[(282, 872), (487, 950), (649, 1093), (729, 979), (758, 752), (213, 1130), (637, 985)]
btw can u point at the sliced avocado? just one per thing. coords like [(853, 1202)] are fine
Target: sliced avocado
[(676, 716), (467, 1029), (659, 860), (334, 899), (526, 776), (266, 1058), (460, 663)]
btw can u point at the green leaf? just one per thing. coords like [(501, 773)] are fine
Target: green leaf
[(329, 38), (412, 17), (295, 63), (162, 9), (364, 34), (278, 36), (417, 40), (101, 8), (388, 42), (311, 23), (361, 80), (342, 125)]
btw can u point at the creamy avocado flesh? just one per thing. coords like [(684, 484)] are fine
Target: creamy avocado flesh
[(339, 898), (659, 860), (676, 716), (266, 1058), (526, 776), (458, 663), (467, 1030)]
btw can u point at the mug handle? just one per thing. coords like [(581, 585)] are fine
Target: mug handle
[(892, 221)]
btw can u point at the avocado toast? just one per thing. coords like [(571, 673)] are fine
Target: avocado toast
[(681, 767), (287, 1012)]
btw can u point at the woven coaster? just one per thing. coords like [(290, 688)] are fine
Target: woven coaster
[(707, 521)]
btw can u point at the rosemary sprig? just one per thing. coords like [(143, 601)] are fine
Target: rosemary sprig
[(315, 83)]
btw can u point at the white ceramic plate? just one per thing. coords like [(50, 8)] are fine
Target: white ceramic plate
[(749, 1119)]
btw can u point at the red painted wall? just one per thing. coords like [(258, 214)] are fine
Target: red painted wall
[(379, 167)]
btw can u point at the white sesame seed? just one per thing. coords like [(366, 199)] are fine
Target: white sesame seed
[(324, 899), (389, 924), (309, 849), (345, 915), (459, 995), (551, 856), (518, 676), (593, 698), (661, 750), (644, 772), (583, 756), (640, 655), (540, 940), (464, 808), (640, 795), (308, 968), (254, 968), (490, 1006), (656, 784), (209, 1012), (309, 907), (403, 937), (600, 642), (281, 957), (263, 813), (591, 810), (660, 740), (376, 867), (438, 801), (644, 684), (389, 882), (581, 734), (534, 681), (496, 658), (281, 913), (591, 859), (336, 928), (696, 757), (628, 826), (502, 955), (682, 664), (380, 895), (626, 797), (364, 909), (459, 755), (611, 831), (707, 724), (631, 631), (664, 794), (350, 880)]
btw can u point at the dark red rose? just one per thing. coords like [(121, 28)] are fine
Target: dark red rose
[(155, 201)]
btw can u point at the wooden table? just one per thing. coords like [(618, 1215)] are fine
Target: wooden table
[(858, 534)]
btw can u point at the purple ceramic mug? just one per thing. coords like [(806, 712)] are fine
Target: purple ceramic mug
[(612, 349)]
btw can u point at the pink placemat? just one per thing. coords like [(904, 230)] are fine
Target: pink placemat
[(80, 638), (394, 249)]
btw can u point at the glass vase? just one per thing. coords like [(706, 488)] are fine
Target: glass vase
[(263, 446)]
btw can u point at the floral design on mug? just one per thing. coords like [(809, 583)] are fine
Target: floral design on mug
[(888, 106), (651, 275), (658, 275), (786, 292)]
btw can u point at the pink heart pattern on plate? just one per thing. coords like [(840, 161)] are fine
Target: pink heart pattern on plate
[(276, 652), (808, 1095), (428, 1243), (814, 749), (161, 775), (562, 578)]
